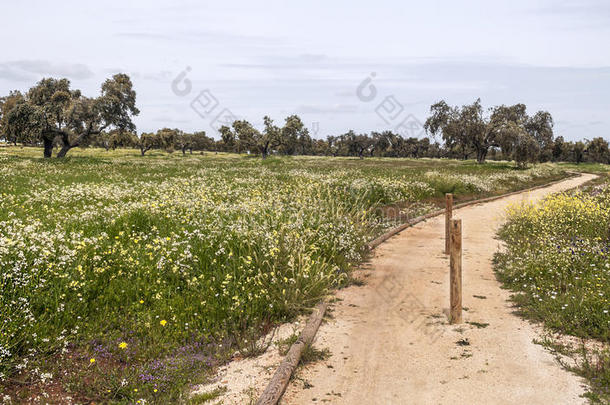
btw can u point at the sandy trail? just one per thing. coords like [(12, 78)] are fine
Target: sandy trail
[(391, 342)]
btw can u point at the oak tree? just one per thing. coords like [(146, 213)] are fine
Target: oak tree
[(53, 110)]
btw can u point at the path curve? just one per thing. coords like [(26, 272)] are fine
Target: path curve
[(391, 343)]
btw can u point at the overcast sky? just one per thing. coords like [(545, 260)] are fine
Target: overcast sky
[(279, 58)]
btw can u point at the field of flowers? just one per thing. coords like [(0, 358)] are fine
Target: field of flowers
[(124, 278), (557, 260)]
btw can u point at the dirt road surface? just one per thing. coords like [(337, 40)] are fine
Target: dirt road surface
[(391, 342)]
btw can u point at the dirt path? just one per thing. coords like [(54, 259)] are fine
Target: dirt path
[(391, 343)]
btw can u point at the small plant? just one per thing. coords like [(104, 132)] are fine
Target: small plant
[(283, 345), (312, 355), (463, 342), (254, 340), (478, 325), (206, 397), (594, 365)]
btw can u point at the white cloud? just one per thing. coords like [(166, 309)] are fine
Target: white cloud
[(278, 58), (28, 69)]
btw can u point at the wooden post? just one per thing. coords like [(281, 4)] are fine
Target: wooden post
[(455, 274), (448, 216)]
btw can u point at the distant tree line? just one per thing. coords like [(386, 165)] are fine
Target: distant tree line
[(52, 114), (507, 132)]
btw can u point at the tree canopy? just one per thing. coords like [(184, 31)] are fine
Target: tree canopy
[(470, 128), (53, 110)]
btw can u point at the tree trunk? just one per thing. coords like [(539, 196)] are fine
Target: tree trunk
[(64, 149), (67, 145), (48, 147)]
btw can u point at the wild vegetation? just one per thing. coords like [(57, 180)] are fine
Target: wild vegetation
[(53, 114), (128, 271), (557, 262), (125, 278)]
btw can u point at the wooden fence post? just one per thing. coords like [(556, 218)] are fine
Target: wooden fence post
[(448, 216), (455, 274)]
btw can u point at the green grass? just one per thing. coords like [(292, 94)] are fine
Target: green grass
[(310, 353), (479, 325), (185, 258), (557, 262), (206, 397)]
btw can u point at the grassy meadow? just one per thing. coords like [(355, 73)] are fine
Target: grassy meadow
[(126, 278), (557, 261)]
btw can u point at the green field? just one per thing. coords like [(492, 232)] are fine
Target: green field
[(127, 277)]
